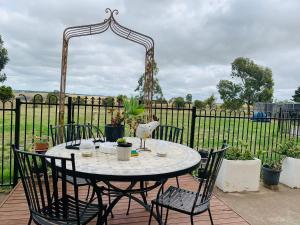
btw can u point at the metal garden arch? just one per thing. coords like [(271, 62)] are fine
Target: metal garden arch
[(124, 32)]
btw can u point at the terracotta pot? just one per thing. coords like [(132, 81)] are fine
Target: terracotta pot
[(41, 146)]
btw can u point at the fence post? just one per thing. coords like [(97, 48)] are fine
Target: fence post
[(69, 118), (193, 127), (17, 138)]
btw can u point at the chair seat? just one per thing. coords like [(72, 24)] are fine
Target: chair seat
[(181, 200), (80, 181), (87, 212)]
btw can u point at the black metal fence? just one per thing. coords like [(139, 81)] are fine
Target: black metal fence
[(24, 118)]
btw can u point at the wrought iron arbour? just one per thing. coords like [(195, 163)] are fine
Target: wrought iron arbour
[(124, 32)]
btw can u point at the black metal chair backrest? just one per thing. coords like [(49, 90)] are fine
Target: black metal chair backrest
[(45, 185), (168, 133), (209, 176), (74, 133)]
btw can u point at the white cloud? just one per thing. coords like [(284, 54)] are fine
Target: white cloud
[(195, 42)]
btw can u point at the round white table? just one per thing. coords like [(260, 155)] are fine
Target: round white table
[(179, 160), (147, 166)]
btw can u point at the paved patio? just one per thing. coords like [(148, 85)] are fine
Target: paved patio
[(13, 210)]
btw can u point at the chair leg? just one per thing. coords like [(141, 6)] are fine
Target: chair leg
[(30, 220), (177, 181), (88, 193), (192, 220), (151, 212), (109, 200), (210, 217), (166, 218), (129, 203)]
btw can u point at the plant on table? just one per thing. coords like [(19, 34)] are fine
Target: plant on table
[(133, 113)]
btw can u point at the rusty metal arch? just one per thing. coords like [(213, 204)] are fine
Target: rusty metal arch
[(124, 32)]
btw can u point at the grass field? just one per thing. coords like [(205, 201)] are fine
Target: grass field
[(211, 128)]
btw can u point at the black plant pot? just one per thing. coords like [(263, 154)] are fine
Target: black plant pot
[(113, 133), (270, 176)]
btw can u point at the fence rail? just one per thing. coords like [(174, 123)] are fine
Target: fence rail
[(23, 119)]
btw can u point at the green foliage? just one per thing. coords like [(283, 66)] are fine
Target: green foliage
[(121, 140), (290, 149), (189, 98), (179, 102), (3, 60), (108, 101), (132, 108), (199, 104), (78, 100), (52, 97), (211, 101), (296, 96), (6, 93), (117, 120), (236, 153), (133, 112), (157, 91), (256, 84), (121, 98), (230, 93), (274, 163)]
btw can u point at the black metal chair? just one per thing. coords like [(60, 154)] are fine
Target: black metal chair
[(73, 134), (168, 133), (51, 198), (189, 202)]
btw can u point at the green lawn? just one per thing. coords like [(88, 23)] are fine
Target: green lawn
[(210, 128)]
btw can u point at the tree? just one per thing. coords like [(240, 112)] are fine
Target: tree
[(52, 97), (6, 92), (179, 102), (189, 98), (3, 60), (157, 91), (211, 101), (256, 82), (230, 93), (121, 98), (108, 101), (296, 96), (199, 104)]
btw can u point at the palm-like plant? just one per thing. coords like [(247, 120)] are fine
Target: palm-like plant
[(133, 112)]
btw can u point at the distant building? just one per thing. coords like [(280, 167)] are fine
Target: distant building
[(275, 108)]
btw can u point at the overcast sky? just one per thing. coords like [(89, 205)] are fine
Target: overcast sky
[(195, 43)]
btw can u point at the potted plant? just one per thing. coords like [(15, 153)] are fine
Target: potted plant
[(132, 115), (41, 144), (115, 129), (290, 174), (240, 171), (123, 149), (271, 172)]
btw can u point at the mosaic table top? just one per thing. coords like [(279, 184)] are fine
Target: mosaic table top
[(178, 158)]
